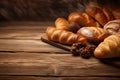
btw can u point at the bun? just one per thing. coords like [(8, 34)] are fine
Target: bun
[(83, 19), (93, 34), (64, 37), (99, 13), (62, 23), (109, 48), (113, 27)]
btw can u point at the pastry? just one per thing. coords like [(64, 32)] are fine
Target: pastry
[(109, 48), (62, 23), (63, 36), (99, 13), (83, 19)]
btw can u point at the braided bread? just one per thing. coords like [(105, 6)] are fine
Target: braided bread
[(93, 34), (109, 48), (64, 37), (99, 13), (83, 19), (113, 27)]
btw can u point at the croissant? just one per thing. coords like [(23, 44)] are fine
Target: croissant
[(93, 34), (113, 27), (63, 36), (83, 19), (109, 48), (99, 13), (62, 23)]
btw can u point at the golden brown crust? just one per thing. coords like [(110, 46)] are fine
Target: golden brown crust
[(83, 19), (64, 37), (61, 23), (113, 27), (93, 34), (109, 48), (99, 13)]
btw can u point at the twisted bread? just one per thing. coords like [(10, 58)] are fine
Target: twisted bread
[(113, 27), (83, 19), (99, 13), (93, 34), (62, 23), (109, 48), (63, 36)]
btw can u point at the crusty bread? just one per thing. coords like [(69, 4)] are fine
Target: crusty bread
[(109, 48), (93, 34), (83, 19), (99, 13), (113, 27), (63, 36)]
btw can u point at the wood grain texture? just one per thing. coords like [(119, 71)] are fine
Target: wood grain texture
[(27, 45), (55, 78), (53, 65)]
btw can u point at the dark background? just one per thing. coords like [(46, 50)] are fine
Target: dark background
[(42, 10)]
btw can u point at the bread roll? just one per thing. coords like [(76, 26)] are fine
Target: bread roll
[(62, 23), (109, 48), (99, 13), (63, 36), (113, 27), (83, 19), (93, 34)]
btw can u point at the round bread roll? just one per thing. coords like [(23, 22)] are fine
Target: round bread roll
[(93, 34)]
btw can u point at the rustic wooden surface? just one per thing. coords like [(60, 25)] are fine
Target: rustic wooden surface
[(23, 56)]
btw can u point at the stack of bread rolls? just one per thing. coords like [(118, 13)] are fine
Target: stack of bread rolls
[(96, 25)]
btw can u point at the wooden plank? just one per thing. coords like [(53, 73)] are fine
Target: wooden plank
[(22, 30), (55, 78), (20, 34), (55, 65), (28, 45)]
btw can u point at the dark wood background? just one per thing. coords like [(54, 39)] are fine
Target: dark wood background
[(44, 10)]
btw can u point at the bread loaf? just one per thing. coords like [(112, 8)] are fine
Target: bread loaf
[(99, 13), (64, 37), (113, 27), (83, 19), (62, 23), (93, 34)]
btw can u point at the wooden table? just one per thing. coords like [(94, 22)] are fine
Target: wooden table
[(23, 56)]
